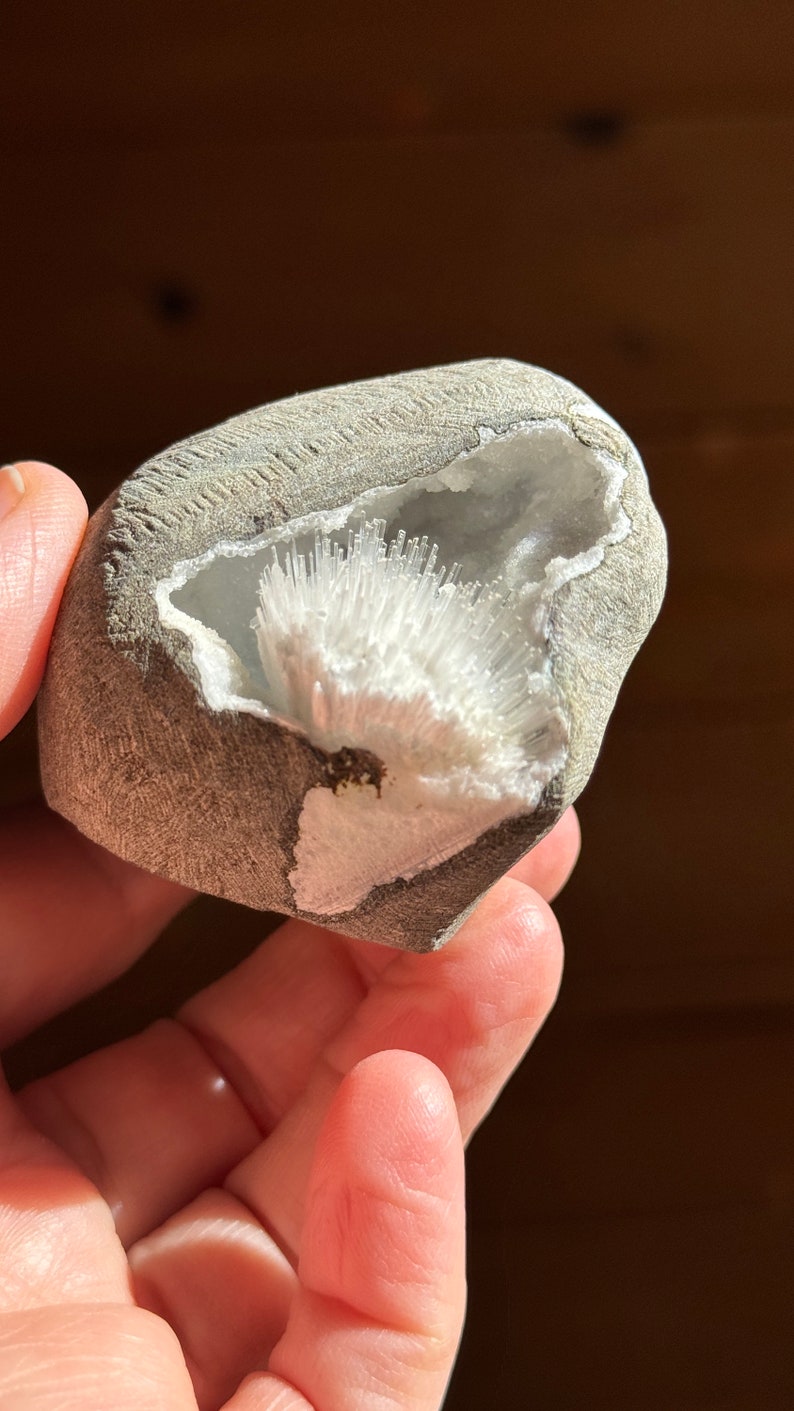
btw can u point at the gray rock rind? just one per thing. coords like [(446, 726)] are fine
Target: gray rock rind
[(131, 754)]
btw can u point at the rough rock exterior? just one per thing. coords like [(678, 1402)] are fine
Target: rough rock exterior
[(131, 753)]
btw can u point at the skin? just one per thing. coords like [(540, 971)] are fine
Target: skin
[(258, 1204)]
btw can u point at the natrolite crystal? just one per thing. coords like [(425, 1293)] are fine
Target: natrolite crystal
[(349, 655)]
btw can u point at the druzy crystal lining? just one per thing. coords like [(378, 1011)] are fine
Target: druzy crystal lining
[(372, 644)]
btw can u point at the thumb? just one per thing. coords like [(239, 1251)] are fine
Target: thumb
[(377, 1314), (42, 519)]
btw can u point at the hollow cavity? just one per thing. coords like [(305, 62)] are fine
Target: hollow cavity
[(431, 654)]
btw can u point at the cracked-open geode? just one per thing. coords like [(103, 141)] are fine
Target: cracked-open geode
[(349, 655)]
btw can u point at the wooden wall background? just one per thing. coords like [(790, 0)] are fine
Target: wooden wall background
[(209, 205)]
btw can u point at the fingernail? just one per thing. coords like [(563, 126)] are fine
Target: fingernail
[(12, 488)]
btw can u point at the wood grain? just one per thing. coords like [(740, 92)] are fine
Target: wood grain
[(176, 285), (170, 71)]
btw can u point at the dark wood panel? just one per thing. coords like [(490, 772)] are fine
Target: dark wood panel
[(687, 845), (673, 1313), (155, 70), (727, 499), (171, 287), (722, 645), (595, 1081), (631, 1220), (690, 984)]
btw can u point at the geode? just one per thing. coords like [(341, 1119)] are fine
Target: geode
[(348, 656)]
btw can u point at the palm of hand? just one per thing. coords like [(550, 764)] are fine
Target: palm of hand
[(258, 1204)]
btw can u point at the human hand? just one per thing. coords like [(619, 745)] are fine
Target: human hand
[(259, 1204)]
